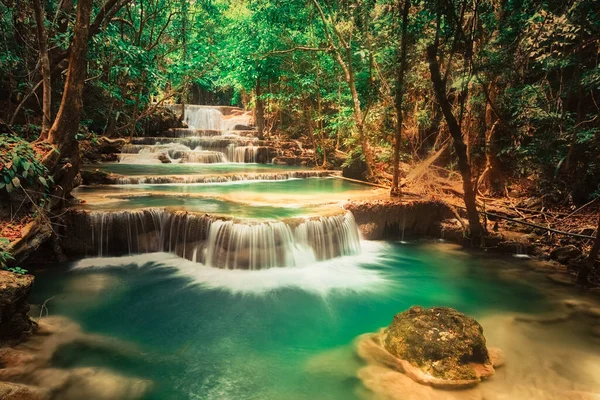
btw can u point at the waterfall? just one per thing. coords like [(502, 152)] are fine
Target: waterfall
[(199, 117), (213, 179), (278, 244), (208, 131), (242, 154), (213, 241), (203, 156)]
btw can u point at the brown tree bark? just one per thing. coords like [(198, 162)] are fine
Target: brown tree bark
[(343, 56), (59, 57), (42, 36), (63, 160), (395, 191), (459, 144), (582, 276), (492, 178), (260, 111)]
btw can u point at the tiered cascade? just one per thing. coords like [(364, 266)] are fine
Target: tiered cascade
[(214, 135), (211, 137)]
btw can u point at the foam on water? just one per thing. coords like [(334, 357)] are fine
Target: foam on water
[(343, 273)]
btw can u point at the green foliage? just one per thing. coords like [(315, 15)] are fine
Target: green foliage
[(20, 166), (5, 256), (535, 62), (16, 270)]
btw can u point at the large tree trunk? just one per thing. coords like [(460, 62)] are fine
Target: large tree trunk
[(64, 162), (459, 144), (582, 277), (260, 111), (42, 37), (399, 97)]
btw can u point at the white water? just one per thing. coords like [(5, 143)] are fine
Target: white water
[(343, 273), (207, 180), (207, 141), (203, 118), (208, 118), (219, 243)]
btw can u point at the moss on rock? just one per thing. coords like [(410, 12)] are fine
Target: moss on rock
[(440, 341)]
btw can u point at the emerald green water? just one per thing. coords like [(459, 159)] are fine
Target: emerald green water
[(284, 333), (189, 169), (203, 205), (289, 186)]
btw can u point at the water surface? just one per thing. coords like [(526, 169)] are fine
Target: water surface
[(283, 333)]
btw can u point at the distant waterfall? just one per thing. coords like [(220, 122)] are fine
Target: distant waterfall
[(213, 241), (199, 117), (206, 118), (208, 139)]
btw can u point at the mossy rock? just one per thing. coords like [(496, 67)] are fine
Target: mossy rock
[(439, 341)]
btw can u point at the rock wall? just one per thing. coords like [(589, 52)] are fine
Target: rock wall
[(393, 219), (14, 321)]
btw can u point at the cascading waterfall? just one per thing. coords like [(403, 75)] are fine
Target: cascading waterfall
[(207, 140), (278, 244), (207, 118), (199, 117), (203, 157), (213, 241), (242, 154)]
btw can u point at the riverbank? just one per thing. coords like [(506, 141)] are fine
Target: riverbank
[(559, 258)]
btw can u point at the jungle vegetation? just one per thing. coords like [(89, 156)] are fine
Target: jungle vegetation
[(503, 92)]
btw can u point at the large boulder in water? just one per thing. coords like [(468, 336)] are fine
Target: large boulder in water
[(437, 346)]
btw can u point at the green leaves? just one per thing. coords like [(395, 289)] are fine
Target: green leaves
[(20, 166), (16, 270)]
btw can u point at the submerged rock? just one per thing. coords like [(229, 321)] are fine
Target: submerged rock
[(28, 371), (438, 346), (14, 321)]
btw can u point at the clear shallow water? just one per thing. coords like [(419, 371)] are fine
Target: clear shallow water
[(269, 199), (202, 204), (283, 333), (189, 168), (289, 186)]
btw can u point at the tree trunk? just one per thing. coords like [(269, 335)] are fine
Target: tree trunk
[(459, 144), (399, 97), (42, 37), (582, 277), (64, 162), (350, 80), (260, 111), (492, 178), (358, 117)]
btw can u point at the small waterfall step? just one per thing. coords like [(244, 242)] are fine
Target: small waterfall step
[(99, 178), (179, 133), (192, 142), (211, 240)]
